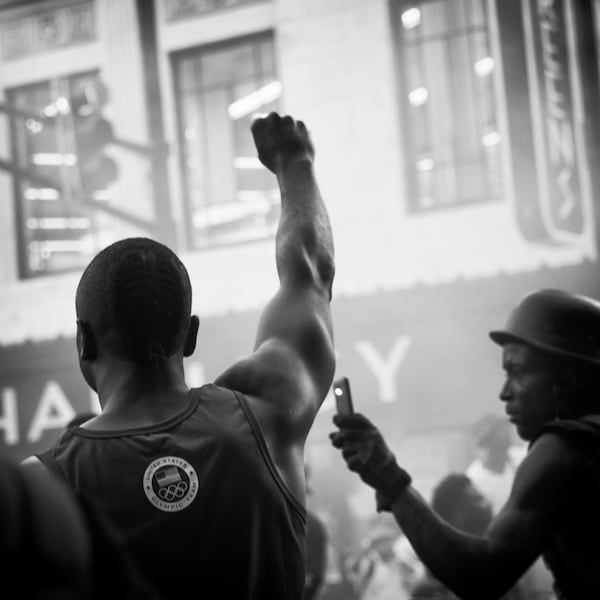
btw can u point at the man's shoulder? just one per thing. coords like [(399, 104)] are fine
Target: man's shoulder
[(584, 430), (561, 452)]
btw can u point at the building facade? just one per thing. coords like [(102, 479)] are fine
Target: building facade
[(455, 142)]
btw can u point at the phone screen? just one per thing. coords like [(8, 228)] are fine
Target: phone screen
[(343, 397)]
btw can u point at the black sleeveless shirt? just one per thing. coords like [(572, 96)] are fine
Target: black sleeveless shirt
[(198, 498), (573, 555)]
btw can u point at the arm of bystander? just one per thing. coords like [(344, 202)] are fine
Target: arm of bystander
[(473, 567)]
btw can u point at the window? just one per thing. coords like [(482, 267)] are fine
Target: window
[(56, 231), (229, 196), (446, 73)]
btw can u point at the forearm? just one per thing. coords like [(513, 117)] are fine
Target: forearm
[(304, 243), (474, 568), (462, 562)]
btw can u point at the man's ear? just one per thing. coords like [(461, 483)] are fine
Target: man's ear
[(192, 336), (86, 342)]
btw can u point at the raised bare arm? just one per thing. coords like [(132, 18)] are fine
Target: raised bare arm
[(292, 365)]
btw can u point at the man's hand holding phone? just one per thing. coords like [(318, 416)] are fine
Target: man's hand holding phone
[(343, 396), (365, 450)]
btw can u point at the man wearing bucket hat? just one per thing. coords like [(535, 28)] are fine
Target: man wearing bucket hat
[(551, 356)]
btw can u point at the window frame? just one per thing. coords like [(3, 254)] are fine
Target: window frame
[(491, 190), (176, 58), (19, 182)]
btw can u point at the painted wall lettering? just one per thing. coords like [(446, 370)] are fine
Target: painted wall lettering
[(384, 368)]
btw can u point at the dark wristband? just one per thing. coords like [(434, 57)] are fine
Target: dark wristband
[(386, 496)]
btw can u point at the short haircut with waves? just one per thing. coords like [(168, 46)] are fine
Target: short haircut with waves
[(136, 294)]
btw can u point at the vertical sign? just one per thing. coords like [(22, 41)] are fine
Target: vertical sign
[(544, 60), (559, 153)]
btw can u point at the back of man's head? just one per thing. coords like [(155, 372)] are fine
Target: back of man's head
[(136, 296)]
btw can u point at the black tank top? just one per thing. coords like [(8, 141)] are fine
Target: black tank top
[(198, 499), (573, 555)]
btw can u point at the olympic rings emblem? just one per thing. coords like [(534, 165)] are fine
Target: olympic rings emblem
[(173, 491), (170, 483)]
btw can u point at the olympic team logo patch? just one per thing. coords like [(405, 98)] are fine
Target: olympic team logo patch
[(170, 483)]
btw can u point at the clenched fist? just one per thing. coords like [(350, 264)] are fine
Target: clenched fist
[(281, 141)]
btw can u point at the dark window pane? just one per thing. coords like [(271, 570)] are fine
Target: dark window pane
[(266, 59), (471, 180), (224, 66), (447, 74), (229, 195), (465, 103), (477, 13), (56, 231), (415, 72), (220, 164)]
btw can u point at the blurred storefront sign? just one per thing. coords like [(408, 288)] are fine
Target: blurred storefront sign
[(418, 360), (41, 389)]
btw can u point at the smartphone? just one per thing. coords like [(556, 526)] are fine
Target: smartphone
[(343, 397)]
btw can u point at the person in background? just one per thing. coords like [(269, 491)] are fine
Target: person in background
[(493, 471), (207, 485), (551, 357), (44, 532), (374, 569), (55, 545), (456, 500), (493, 468)]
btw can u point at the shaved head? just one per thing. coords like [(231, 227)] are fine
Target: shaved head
[(137, 297)]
